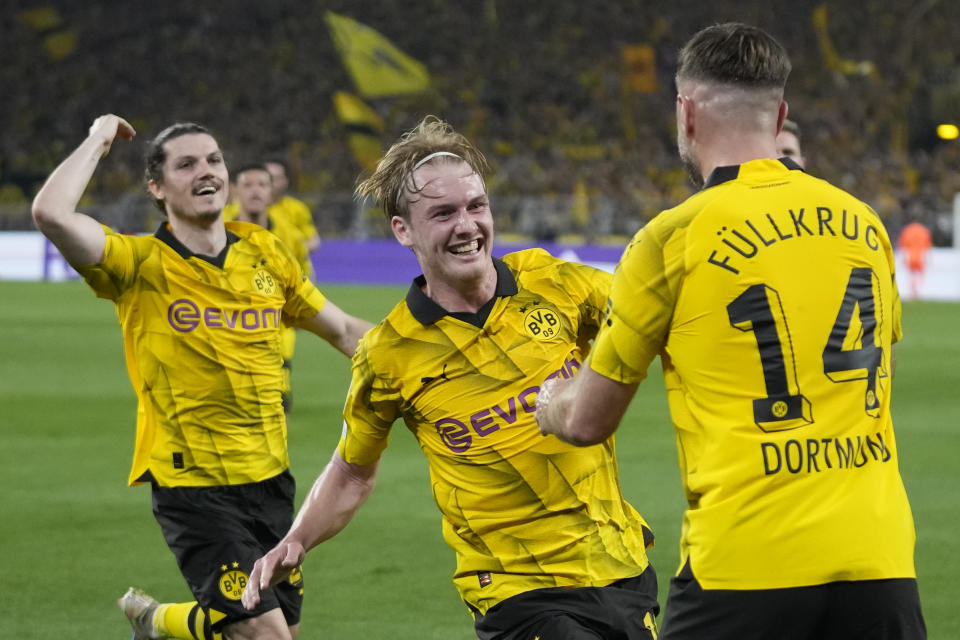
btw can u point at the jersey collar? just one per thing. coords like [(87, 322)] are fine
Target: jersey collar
[(426, 311), (166, 236), (732, 172)]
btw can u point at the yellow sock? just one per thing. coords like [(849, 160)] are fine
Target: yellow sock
[(183, 620)]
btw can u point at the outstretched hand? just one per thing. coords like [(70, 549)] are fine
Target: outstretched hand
[(271, 569), (109, 128)]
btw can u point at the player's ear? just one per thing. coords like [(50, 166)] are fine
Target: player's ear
[(782, 115), (155, 189), (686, 114), (401, 231)]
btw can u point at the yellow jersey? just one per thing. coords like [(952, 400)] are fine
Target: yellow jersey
[(770, 298), (202, 343), (520, 510), (292, 221)]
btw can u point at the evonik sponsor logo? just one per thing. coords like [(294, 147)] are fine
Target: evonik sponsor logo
[(458, 433), (185, 315)]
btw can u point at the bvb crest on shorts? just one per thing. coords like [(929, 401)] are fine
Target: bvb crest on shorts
[(296, 576), (232, 581)]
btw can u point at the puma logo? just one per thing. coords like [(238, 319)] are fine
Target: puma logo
[(442, 376)]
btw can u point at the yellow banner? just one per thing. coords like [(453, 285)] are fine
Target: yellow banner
[(639, 68), (378, 68), (355, 113), (363, 126)]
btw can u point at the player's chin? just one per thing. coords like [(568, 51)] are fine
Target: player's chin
[(209, 215)]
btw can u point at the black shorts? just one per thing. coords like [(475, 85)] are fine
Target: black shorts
[(862, 610), (217, 533), (624, 610)]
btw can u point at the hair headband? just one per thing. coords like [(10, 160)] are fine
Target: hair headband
[(431, 156), (427, 158)]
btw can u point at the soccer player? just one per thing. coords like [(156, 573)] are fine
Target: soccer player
[(546, 544), (253, 187), (284, 208), (788, 143), (770, 298), (295, 210), (201, 306)]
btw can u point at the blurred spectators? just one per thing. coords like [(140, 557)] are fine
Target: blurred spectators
[(538, 85)]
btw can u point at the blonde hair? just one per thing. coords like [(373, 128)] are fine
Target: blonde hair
[(433, 141)]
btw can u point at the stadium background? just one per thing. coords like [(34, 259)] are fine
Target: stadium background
[(572, 102)]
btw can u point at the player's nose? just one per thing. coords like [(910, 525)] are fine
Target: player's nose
[(464, 221)]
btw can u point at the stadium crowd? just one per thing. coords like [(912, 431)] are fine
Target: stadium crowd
[(542, 87)]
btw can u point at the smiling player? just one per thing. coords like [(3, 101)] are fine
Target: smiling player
[(201, 306), (546, 545)]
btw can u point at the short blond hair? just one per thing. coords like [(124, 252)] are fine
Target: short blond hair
[(391, 183)]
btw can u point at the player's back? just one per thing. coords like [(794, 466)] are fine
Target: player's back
[(777, 365)]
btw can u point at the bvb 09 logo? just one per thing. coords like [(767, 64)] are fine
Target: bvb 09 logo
[(542, 324), (232, 582), (264, 283)]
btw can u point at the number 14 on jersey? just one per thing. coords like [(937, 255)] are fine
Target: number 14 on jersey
[(847, 357)]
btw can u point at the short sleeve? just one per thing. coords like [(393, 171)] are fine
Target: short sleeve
[(369, 413), (116, 273), (642, 298)]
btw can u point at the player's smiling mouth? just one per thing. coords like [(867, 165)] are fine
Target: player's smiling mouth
[(205, 190), (468, 247)]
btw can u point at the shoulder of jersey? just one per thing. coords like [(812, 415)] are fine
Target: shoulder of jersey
[(529, 258), (243, 229), (393, 323)]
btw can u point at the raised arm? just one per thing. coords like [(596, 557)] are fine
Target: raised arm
[(338, 328), (79, 238), (332, 502)]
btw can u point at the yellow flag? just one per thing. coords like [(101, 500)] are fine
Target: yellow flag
[(363, 126), (356, 114), (377, 66)]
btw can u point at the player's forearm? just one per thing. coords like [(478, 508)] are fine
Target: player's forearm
[(355, 328), (584, 410), (335, 498), (340, 329), (553, 408), (55, 204)]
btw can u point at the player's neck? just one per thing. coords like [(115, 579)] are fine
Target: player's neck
[(204, 236), (727, 153), (467, 297)]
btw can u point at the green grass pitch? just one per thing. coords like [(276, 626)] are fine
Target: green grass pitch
[(73, 536)]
